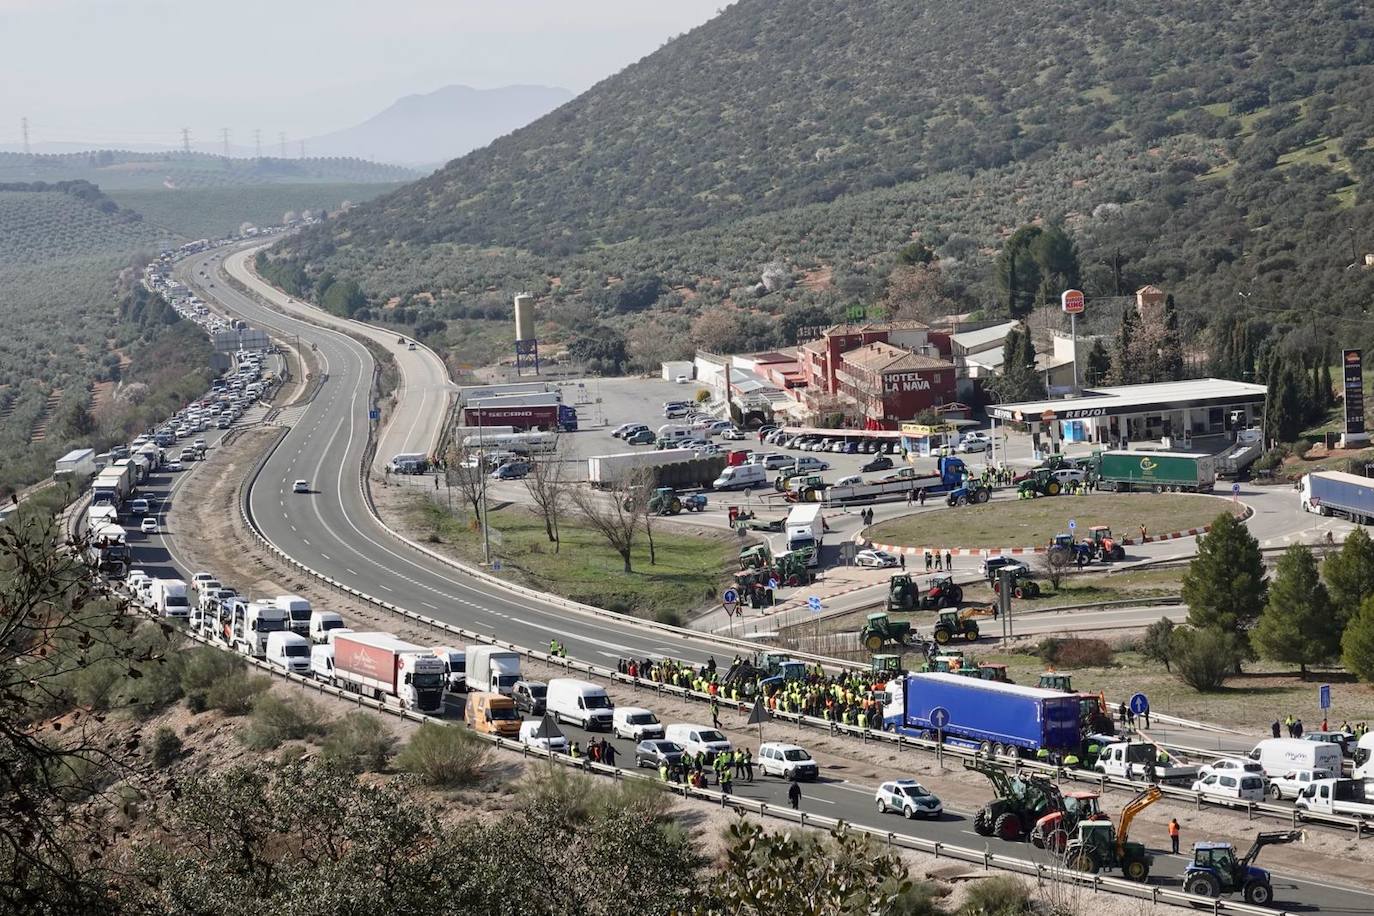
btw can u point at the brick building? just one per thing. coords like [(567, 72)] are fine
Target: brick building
[(890, 384), (820, 359)]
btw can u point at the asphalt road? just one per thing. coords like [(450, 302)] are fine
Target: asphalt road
[(836, 797)]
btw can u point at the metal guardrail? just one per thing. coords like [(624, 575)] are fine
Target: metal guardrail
[(988, 860)]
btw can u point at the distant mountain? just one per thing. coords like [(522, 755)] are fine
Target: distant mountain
[(126, 170), (441, 125)]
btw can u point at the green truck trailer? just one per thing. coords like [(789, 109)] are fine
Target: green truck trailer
[(1154, 471)]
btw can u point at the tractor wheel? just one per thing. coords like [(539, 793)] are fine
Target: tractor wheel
[(1008, 827), (1032, 590), (1258, 893), (1202, 883), (873, 642), (956, 594), (984, 495), (674, 506), (942, 636), (997, 586), (951, 502), (1056, 841), (1118, 552), (1136, 869), (971, 634), (793, 581), (1080, 859), (963, 500), (1037, 837), (1052, 488), (982, 822), (1018, 592)]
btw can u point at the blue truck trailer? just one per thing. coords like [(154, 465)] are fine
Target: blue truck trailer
[(987, 715), (1338, 493)]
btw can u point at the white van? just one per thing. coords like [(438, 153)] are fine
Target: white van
[(455, 668), (322, 663), (321, 622), (1364, 757), (636, 724), (1237, 784), (580, 702), (289, 651), (696, 739), (168, 597), (1284, 755), (297, 613), (741, 477)]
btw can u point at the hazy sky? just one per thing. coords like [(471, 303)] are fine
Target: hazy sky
[(137, 71)]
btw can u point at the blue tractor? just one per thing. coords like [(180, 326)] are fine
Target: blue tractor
[(1216, 870), (969, 492), (1065, 548)]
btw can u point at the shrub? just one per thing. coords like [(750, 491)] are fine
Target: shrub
[(1157, 645), (275, 720), (202, 669), (999, 896), (1072, 652), (443, 755), (1204, 659), (235, 694), (358, 742), (166, 747)]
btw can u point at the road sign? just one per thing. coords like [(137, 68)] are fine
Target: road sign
[(730, 597), (939, 717), (496, 565), (814, 603), (730, 608), (1072, 524), (1140, 705), (374, 414), (1071, 300), (772, 584), (1324, 695), (848, 551), (548, 729), (760, 713)]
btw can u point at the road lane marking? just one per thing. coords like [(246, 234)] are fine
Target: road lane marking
[(432, 607)]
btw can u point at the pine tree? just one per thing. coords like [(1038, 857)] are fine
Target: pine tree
[(1170, 360), (1271, 397), (1297, 625), (1124, 371), (1350, 575), (1357, 644), (1224, 586), (1328, 391), (1290, 406), (1099, 364)]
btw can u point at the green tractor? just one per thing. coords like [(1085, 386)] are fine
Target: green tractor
[(756, 557), (881, 631), (1022, 585), (1017, 806), (1100, 845), (663, 501), (902, 594), (889, 666), (1042, 482), (791, 568), (952, 625)]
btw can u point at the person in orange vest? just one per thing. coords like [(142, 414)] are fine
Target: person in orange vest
[(1173, 834)]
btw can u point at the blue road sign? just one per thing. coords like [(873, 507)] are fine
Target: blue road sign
[(1235, 489), (1139, 704), (814, 603), (730, 597), (939, 717), (1325, 695), (772, 584), (374, 414), (1072, 524), (496, 565)]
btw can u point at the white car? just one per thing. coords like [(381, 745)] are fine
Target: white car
[(1232, 765), (853, 480), (733, 434), (199, 579), (1232, 784), (1065, 476), (149, 526), (301, 486), (875, 559), (527, 730), (787, 761), (682, 380), (908, 798), (172, 466), (970, 444), (1290, 784)]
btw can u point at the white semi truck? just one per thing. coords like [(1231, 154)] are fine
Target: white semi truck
[(491, 669)]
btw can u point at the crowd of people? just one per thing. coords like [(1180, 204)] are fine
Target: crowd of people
[(1294, 727)]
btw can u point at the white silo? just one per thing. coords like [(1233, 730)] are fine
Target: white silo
[(524, 317)]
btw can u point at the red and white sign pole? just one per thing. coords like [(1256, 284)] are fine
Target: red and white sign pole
[(1072, 302)]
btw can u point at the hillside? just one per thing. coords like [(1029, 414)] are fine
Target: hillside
[(217, 212), (1211, 149), (437, 126), (41, 223), (124, 170)]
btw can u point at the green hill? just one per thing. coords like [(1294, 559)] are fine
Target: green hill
[(217, 212), (122, 170), (40, 223), (1210, 148)]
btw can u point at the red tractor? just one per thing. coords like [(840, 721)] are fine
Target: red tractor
[(941, 592), (1104, 547)]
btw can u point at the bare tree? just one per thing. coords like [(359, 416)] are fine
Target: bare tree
[(613, 513), (463, 471), (641, 498), (1057, 565), (548, 490)]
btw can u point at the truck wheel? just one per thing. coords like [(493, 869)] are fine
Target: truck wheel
[(1202, 884), (1008, 827), (1275, 792), (1258, 893)]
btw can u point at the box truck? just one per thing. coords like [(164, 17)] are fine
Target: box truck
[(382, 666), (491, 669), (987, 715), (1338, 493), (77, 465), (1157, 471)]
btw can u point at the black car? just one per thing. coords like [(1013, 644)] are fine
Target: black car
[(880, 463), (656, 752), (529, 696)]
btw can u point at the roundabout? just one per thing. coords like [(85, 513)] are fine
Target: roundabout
[(1030, 525)]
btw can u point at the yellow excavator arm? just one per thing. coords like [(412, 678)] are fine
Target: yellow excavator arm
[(1133, 807)]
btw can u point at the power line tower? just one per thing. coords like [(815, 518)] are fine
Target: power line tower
[(224, 139), (257, 143), (281, 139), (24, 126), (186, 140)]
